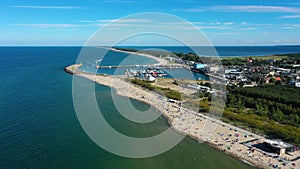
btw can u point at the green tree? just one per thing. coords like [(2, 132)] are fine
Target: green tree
[(272, 80), (278, 82)]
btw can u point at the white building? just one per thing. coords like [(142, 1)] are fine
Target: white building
[(151, 78)]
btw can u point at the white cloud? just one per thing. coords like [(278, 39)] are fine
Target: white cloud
[(250, 41), (245, 23), (48, 26), (47, 7), (290, 26), (86, 21), (255, 25), (246, 8), (276, 41), (292, 3), (289, 17), (269, 33), (126, 20), (115, 21), (223, 33), (228, 23), (213, 27), (247, 29), (194, 10), (200, 25), (168, 25), (257, 8)]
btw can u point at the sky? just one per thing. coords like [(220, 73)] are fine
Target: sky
[(223, 22)]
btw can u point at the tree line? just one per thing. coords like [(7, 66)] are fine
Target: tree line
[(270, 109)]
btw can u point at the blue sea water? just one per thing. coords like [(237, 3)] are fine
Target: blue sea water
[(39, 127)]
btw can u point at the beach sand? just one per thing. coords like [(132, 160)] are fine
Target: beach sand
[(160, 61), (223, 136)]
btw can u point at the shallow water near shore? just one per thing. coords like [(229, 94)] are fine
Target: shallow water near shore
[(39, 127)]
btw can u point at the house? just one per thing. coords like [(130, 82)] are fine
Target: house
[(278, 79), (198, 87), (236, 72), (272, 73), (275, 146), (199, 65), (249, 85), (216, 69), (180, 61), (270, 61), (151, 78)]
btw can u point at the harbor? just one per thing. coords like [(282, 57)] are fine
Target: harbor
[(226, 137), (157, 66)]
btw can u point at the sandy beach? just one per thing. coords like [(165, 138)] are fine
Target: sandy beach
[(223, 136), (160, 61)]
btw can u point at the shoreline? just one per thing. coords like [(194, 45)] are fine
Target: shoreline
[(160, 61), (187, 122), (218, 56)]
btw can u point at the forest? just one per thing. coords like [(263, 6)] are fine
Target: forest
[(280, 60), (271, 109)]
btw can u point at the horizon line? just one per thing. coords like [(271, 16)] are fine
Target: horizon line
[(138, 45)]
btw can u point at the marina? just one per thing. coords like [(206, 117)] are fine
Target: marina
[(156, 66), (225, 137)]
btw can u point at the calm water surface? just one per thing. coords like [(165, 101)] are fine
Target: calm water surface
[(39, 128)]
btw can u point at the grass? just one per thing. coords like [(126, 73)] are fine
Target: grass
[(169, 93)]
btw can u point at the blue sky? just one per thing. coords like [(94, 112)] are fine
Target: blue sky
[(224, 22)]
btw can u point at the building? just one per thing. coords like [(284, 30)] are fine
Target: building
[(198, 88), (278, 79), (199, 66), (233, 71), (276, 146), (151, 78)]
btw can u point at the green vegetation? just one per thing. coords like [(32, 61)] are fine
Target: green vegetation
[(265, 126), (184, 56), (171, 94), (251, 61), (157, 53), (270, 109), (126, 49), (281, 60), (234, 61), (273, 110), (292, 58), (188, 56), (194, 57)]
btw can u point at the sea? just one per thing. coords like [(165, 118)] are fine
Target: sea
[(39, 127)]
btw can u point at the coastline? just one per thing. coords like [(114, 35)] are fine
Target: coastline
[(160, 61), (187, 122), (177, 119)]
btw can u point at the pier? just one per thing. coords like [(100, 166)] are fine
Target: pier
[(157, 66), (167, 66)]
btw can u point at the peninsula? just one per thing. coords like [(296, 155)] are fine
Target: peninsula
[(235, 141)]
